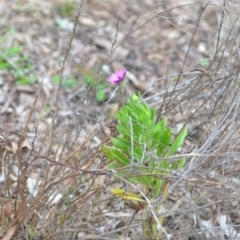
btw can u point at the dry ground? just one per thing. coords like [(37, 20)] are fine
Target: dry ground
[(183, 56)]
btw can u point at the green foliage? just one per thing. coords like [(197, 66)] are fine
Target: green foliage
[(66, 8), (144, 145), (98, 86), (31, 234), (60, 220), (66, 83), (30, 230), (100, 95), (204, 62), (15, 62), (67, 201)]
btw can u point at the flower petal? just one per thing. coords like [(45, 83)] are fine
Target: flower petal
[(117, 77)]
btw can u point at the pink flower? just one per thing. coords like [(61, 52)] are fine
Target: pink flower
[(117, 77)]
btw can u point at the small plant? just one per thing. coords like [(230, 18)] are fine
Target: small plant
[(17, 64), (97, 86), (31, 233), (66, 83), (142, 149), (60, 220), (140, 154), (204, 62), (66, 8)]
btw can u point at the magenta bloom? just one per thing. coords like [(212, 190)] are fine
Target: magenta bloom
[(117, 77)]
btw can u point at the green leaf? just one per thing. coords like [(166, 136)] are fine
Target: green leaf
[(142, 180), (122, 130), (70, 83), (163, 123), (100, 96), (137, 130), (204, 62), (56, 79), (155, 140), (26, 80), (134, 115), (66, 83), (4, 65), (107, 150), (153, 115), (174, 165), (137, 153), (178, 142), (31, 234), (181, 163), (112, 165), (59, 220), (121, 143), (164, 142), (13, 51), (89, 79), (163, 165), (157, 188), (116, 155), (122, 117)]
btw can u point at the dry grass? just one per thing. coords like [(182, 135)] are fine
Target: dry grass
[(56, 184)]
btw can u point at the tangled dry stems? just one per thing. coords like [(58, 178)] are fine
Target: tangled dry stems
[(59, 188)]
